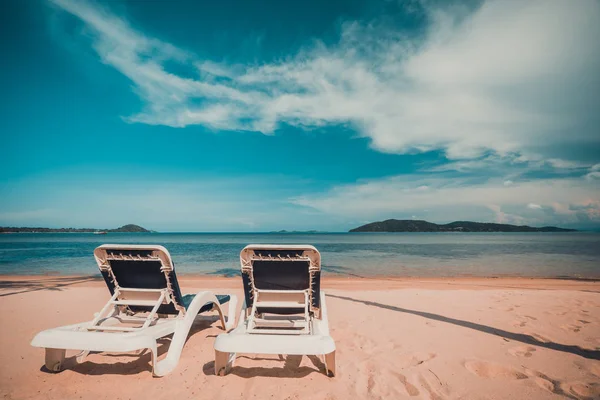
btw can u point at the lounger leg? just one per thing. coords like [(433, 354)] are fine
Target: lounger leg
[(156, 370), (221, 361), (330, 364), (55, 359)]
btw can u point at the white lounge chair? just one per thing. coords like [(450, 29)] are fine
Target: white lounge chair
[(284, 311), (146, 305)]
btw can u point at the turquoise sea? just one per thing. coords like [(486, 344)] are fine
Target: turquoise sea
[(344, 254)]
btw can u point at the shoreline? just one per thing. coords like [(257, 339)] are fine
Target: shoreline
[(333, 282)]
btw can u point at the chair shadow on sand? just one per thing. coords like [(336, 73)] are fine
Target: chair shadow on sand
[(35, 285), (518, 337), (141, 360), (290, 369)]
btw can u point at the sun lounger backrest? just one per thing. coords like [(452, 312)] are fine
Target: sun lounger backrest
[(140, 267), (281, 268)]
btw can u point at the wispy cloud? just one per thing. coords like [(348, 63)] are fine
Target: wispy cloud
[(499, 90), (594, 174), (439, 198), (508, 77)]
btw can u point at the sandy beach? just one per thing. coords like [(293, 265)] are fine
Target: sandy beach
[(467, 338)]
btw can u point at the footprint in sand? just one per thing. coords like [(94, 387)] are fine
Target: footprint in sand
[(593, 367), (545, 382), (578, 390), (571, 328), (384, 384), (519, 324), (557, 311), (582, 389), (522, 351), (486, 369), (522, 320), (583, 321), (409, 387)]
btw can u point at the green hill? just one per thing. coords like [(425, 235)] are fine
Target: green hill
[(409, 225)]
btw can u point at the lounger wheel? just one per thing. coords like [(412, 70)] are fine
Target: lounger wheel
[(55, 359)]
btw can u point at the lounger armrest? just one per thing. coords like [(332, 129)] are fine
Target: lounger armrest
[(200, 299), (203, 297)]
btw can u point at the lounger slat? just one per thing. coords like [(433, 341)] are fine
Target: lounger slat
[(280, 304), (131, 318), (282, 291), (134, 302), (113, 328), (123, 289), (261, 322), (266, 331)]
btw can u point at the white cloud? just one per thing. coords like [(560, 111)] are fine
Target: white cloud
[(491, 87), (505, 78), (565, 200), (505, 218)]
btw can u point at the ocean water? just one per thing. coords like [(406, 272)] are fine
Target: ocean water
[(343, 254)]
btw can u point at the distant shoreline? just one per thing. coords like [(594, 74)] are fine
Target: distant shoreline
[(129, 228), (309, 233), (410, 225), (74, 233)]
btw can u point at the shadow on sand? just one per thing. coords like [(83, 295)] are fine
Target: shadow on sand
[(290, 369), (518, 337), (35, 285)]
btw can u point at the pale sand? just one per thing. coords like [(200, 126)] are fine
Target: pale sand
[(396, 338)]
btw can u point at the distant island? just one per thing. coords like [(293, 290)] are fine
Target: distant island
[(130, 228), (409, 225)]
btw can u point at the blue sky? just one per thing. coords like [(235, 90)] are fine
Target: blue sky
[(258, 116)]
